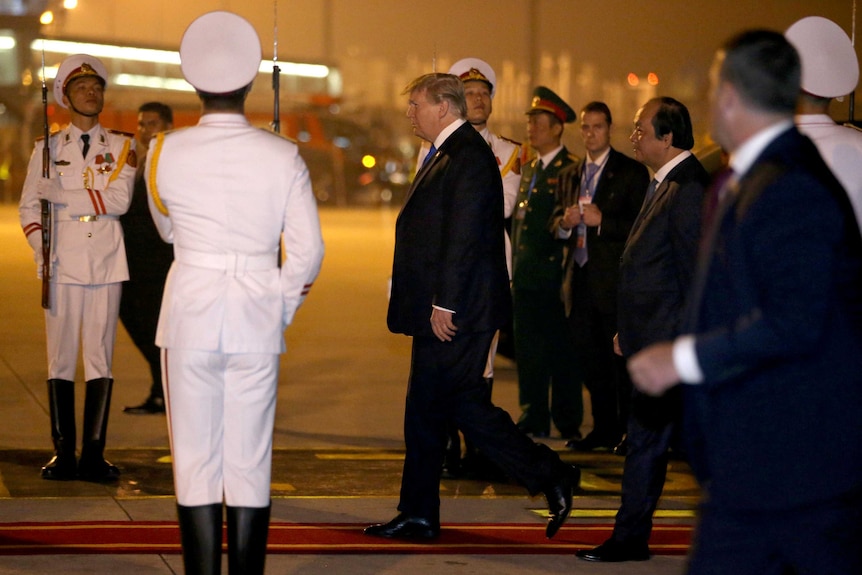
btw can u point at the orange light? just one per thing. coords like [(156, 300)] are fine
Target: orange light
[(652, 78), (46, 18), (633, 79)]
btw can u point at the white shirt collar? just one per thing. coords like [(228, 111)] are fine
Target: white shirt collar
[(600, 159), (448, 131), (662, 172), (549, 157), (745, 155)]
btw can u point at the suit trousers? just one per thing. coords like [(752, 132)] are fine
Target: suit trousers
[(445, 384), (819, 539), (593, 330), (545, 358), (85, 317), (221, 411), (651, 429)]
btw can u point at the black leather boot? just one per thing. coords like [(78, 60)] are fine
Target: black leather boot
[(247, 532), (201, 535), (97, 403), (61, 405)]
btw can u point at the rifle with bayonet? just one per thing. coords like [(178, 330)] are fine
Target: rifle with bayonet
[(45, 205)]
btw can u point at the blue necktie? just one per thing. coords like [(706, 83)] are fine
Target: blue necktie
[(587, 191), (429, 155)]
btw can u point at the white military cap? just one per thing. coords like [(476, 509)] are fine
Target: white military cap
[(77, 66), (220, 53), (475, 69), (829, 64)]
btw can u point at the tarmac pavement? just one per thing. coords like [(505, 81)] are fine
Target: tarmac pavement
[(338, 432)]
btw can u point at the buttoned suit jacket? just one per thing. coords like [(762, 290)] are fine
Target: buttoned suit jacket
[(449, 248), (619, 194), (775, 310), (658, 262)]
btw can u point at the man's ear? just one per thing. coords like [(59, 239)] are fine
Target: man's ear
[(444, 108)]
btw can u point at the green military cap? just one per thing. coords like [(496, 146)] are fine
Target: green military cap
[(545, 100)]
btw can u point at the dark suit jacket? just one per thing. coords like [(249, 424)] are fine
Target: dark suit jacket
[(777, 315), (619, 195), (537, 255), (659, 258), (449, 247)]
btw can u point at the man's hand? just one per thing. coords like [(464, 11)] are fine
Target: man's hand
[(592, 215), (51, 190), (571, 218), (652, 370), (441, 324)]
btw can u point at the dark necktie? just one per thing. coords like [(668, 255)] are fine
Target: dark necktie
[(650, 191), (86, 139)]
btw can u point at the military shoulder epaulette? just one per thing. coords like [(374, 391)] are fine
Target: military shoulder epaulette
[(510, 140), (51, 135), (280, 135), (575, 158), (854, 126), (119, 133)]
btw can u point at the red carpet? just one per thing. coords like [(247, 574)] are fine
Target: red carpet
[(143, 537)]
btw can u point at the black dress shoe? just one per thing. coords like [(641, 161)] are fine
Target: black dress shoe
[(535, 433), (98, 471), (60, 468), (153, 405), (612, 551), (593, 442), (559, 498), (405, 527)]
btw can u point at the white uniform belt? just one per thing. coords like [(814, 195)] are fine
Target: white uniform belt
[(63, 217), (232, 264)]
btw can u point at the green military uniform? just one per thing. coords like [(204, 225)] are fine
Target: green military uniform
[(543, 345)]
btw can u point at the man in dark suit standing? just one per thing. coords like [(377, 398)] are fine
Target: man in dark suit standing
[(771, 355), (655, 275), (450, 292), (597, 202), (149, 260), (543, 342)]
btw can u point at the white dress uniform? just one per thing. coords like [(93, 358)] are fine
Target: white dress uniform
[(223, 192), (88, 257), (841, 148)]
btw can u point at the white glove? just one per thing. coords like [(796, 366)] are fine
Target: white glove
[(35, 241), (50, 189)]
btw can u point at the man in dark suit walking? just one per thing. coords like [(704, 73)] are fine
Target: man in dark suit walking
[(771, 355), (450, 292), (655, 275), (597, 202)]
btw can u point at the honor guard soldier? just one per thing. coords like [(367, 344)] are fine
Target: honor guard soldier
[(830, 70), (480, 84), (89, 185), (543, 347), (227, 301)]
